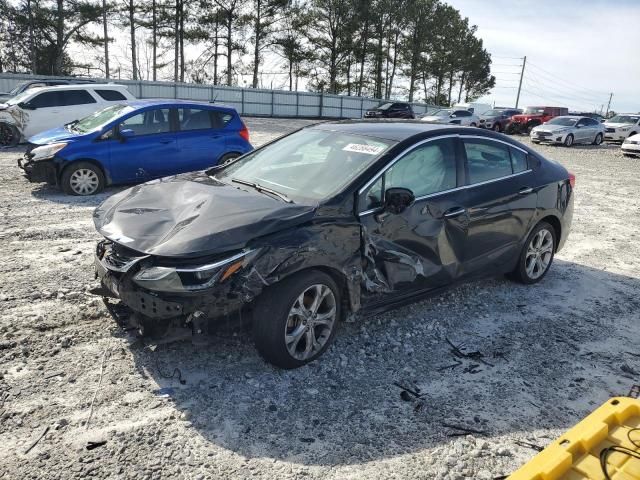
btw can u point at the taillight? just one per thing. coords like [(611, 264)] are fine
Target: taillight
[(572, 180), (244, 133)]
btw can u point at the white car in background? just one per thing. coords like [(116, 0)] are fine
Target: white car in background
[(453, 116), (622, 126), (631, 146), (473, 107), (569, 129), (40, 109)]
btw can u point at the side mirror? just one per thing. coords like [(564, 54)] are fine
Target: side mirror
[(126, 134), (397, 199), (26, 106)]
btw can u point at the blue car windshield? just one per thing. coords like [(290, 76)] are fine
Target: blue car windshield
[(307, 166), (97, 120)]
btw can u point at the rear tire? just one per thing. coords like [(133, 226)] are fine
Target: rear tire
[(290, 327), (82, 178), (228, 158), (598, 139), (569, 140), (537, 255)]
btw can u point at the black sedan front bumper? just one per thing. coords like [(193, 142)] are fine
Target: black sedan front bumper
[(40, 171)]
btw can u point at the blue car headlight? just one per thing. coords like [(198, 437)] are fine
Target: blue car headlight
[(186, 279), (46, 152)]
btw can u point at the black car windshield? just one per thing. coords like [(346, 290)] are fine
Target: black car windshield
[(97, 120), (307, 166), (624, 119), (563, 121), (384, 106), (533, 110)]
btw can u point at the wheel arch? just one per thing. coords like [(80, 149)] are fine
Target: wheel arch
[(67, 164), (557, 227)]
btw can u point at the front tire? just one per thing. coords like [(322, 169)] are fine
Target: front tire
[(295, 320), (82, 178), (598, 139), (9, 135), (537, 255), (496, 127), (569, 140)]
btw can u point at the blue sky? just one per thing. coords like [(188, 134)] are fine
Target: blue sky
[(577, 50)]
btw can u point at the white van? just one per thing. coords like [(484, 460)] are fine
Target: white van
[(39, 109), (476, 108)]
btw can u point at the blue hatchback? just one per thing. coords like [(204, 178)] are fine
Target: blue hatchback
[(134, 142)]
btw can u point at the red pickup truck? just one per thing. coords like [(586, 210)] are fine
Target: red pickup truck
[(532, 117)]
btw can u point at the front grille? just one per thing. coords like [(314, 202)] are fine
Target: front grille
[(544, 134), (117, 258), (610, 130)]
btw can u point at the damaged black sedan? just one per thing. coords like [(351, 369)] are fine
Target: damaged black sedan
[(331, 219)]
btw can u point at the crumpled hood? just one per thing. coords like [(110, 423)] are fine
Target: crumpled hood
[(53, 135), (193, 215)]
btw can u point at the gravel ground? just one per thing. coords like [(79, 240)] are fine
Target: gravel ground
[(552, 353)]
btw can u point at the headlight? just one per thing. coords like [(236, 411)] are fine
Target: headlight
[(625, 129), (185, 279), (46, 151)]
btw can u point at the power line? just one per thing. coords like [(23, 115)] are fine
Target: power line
[(559, 92), (570, 84)]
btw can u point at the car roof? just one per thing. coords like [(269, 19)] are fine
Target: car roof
[(169, 102), (75, 86), (387, 129)]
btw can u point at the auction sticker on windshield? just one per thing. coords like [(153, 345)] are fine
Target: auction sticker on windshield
[(362, 148)]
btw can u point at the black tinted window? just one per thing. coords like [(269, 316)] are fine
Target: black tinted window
[(462, 113), (195, 119), (111, 95), (518, 160), (487, 160), (45, 100), (75, 97)]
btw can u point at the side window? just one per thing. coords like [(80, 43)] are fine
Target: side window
[(486, 160), (221, 119), (75, 97), (582, 122), (462, 113), (195, 119), (148, 122), (518, 160), (111, 95), (427, 169), (46, 100)]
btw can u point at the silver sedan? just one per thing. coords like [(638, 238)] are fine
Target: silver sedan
[(569, 129)]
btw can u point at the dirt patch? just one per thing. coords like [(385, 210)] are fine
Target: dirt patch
[(550, 354)]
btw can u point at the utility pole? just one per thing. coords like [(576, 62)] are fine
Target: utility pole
[(106, 38), (524, 62), (609, 104)]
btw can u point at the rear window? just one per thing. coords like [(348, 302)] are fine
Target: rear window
[(75, 97), (202, 118), (111, 95)]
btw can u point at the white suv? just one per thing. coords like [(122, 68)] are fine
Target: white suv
[(622, 126), (40, 109)]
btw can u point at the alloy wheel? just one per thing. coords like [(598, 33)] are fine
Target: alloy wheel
[(598, 139), (84, 181), (311, 321), (568, 141), (539, 254)]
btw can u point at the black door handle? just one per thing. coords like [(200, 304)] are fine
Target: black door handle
[(525, 191), (454, 212)]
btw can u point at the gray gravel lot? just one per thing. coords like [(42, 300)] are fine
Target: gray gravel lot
[(553, 352)]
